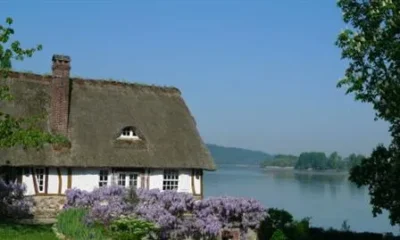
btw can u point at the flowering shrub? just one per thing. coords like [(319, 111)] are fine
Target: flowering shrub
[(175, 214), (12, 201), (106, 203), (215, 213), (168, 209)]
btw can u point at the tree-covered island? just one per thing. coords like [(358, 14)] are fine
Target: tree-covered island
[(314, 161)]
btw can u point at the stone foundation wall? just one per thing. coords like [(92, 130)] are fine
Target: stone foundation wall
[(251, 235), (47, 206)]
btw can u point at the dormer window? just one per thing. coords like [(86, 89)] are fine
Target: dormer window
[(128, 133)]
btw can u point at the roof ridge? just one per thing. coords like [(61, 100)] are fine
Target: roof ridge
[(46, 78)]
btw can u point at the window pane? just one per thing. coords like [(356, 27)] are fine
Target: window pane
[(103, 178), (39, 172), (171, 180), (121, 179), (133, 180)]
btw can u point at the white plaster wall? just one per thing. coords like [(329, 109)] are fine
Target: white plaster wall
[(87, 179), (64, 180), (197, 183), (28, 181), (156, 178), (53, 181), (157, 175), (185, 181)]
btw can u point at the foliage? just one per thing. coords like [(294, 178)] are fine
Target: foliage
[(278, 235), (331, 234), (354, 160), (106, 203), (372, 49), (167, 209), (175, 214), (228, 212), (335, 161), (315, 161), (18, 131), (345, 226), (279, 219), (281, 160), (12, 201), (71, 223), (312, 160), (132, 229), (14, 231)]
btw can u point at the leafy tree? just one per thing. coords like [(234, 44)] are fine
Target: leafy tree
[(279, 219), (18, 131), (333, 160), (372, 48), (313, 160), (354, 160)]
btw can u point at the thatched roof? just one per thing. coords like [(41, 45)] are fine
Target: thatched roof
[(98, 111)]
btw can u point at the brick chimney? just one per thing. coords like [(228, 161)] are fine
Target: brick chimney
[(60, 94)]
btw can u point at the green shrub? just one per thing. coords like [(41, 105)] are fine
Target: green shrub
[(70, 222), (281, 221), (132, 229), (279, 218), (278, 235), (298, 230)]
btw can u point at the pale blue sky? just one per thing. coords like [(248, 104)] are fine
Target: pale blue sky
[(255, 74)]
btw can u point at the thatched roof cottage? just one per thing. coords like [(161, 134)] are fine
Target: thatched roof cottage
[(120, 133)]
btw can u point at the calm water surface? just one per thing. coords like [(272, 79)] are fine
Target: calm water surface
[(328, 199)]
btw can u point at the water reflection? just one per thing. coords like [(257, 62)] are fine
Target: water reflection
[(316, 183), (327, 198), (355, 191)]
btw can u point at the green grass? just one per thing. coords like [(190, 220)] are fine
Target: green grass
[(14, 231), (71, 223)]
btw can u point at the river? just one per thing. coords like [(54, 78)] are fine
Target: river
[(328, 199)]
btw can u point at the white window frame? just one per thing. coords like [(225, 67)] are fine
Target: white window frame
[(170, 180), (128, 133), (128, 178), (40, 179), (103, 177), (133, 180)]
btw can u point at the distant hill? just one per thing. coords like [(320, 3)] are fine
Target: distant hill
[(237, 156)]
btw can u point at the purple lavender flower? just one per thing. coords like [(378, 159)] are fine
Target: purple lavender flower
[(169, 210), (12, 201)]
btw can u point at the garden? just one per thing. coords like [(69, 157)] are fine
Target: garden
[(118, 213), (128, 214)]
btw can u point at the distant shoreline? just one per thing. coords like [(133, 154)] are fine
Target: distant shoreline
[(289, 169), (279, 168), (331, 171)]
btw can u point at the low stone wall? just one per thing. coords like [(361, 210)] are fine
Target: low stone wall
[(47, 207)]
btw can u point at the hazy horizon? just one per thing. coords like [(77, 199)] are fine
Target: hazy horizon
[(259, 75)]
